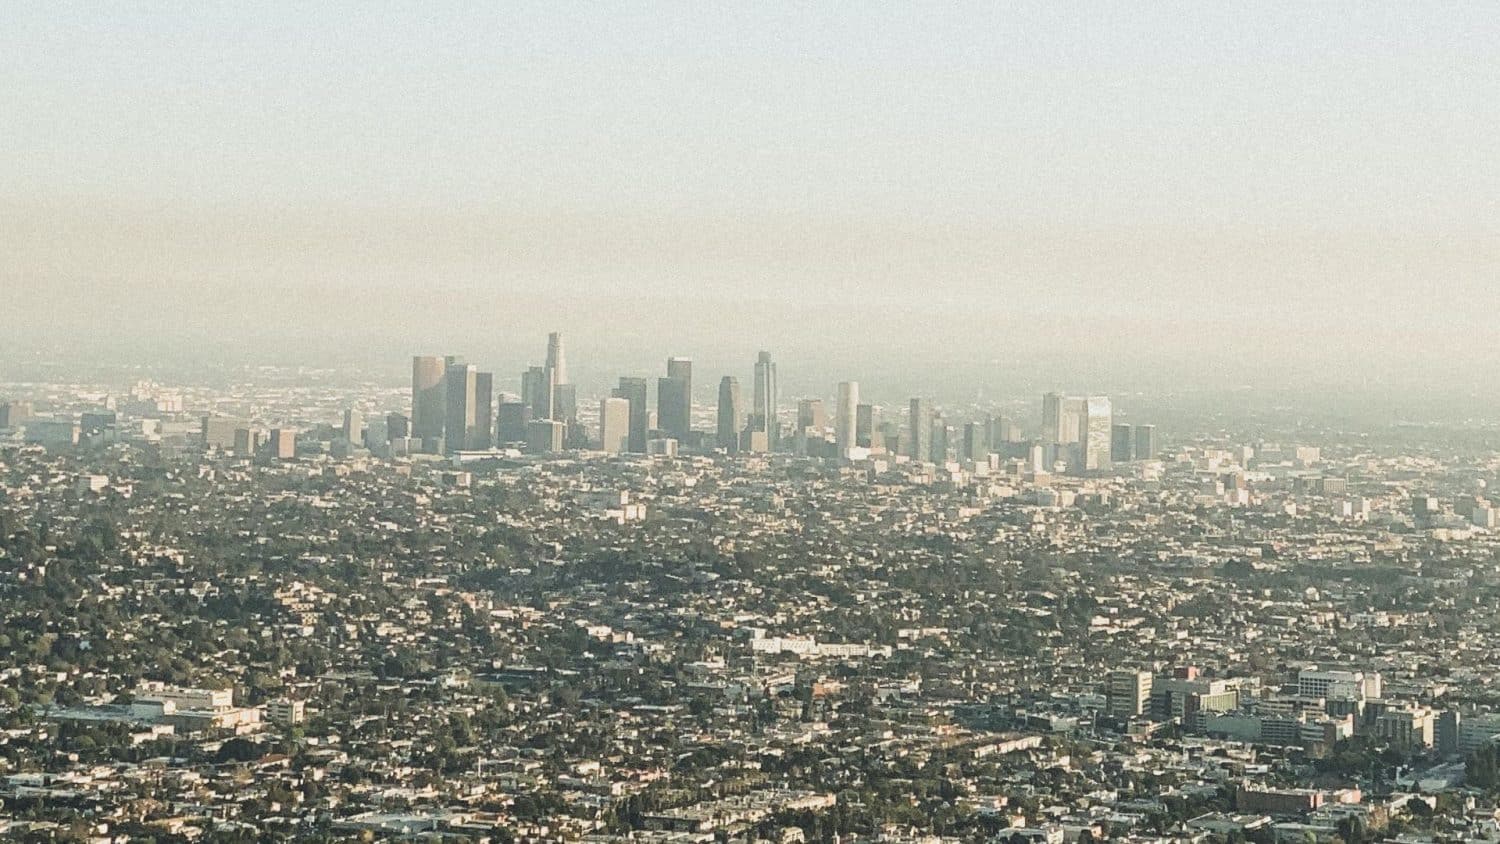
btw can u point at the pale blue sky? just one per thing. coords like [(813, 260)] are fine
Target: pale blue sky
[(1313, 111), (1209, 162)]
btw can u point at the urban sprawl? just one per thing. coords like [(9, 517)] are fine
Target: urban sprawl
[(276, 610)]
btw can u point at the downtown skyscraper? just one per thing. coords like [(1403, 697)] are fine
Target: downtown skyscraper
[(461, 386), (731, 415), (1097, 434), (614, 425), (845, 419), (764, 400), (538, 391), (920, 447), (428, 399), (634, 390), (867, 427), (556, 360), (674, 399), (564, 393)]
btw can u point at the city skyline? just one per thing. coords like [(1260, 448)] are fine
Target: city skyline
[(773, 423), (1072, 434)]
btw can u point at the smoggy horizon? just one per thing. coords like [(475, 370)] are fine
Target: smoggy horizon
[(1285, 197)]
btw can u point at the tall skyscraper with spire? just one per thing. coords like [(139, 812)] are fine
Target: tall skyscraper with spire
[(556, 361), (763, 410), (564, 394)]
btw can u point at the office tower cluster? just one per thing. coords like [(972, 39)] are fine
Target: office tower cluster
[(1080, 432), (454, 408), (457, 412), (755, 428)]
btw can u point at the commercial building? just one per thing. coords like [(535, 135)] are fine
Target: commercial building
[(845, 421), (674, 399), (764, 399), (614, 425), (634, 390), (545, 436), (919, 445), (731, 415), (428, 400), (1127, 692)]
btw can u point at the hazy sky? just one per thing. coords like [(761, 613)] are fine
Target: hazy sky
[(1245, 185)]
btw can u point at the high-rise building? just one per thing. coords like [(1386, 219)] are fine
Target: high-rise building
[(539, 391), (545, 436), (483, 435), (555, 359), (1145, 442), (353, 427), (614, 425), (941, 435), (1063, 418), (867, 427), (681, 368), (564, 393), (282, 444), (1122, 446), (461, 391), (397, 426), (731, 415), (919, 445), (429, 404), (1096, 433), (377, 435), (246, 442), (634, 390), (565, 402), (763, 410), (1074, 416), (1052, 422), (811, 416), (890, 436), (514, 416), (1003, 430), (976, 441), (844, 424), (218, 431), (674, 399), (754, 441)]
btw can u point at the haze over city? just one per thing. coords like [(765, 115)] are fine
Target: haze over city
[(758, 423), (1284, 195)]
